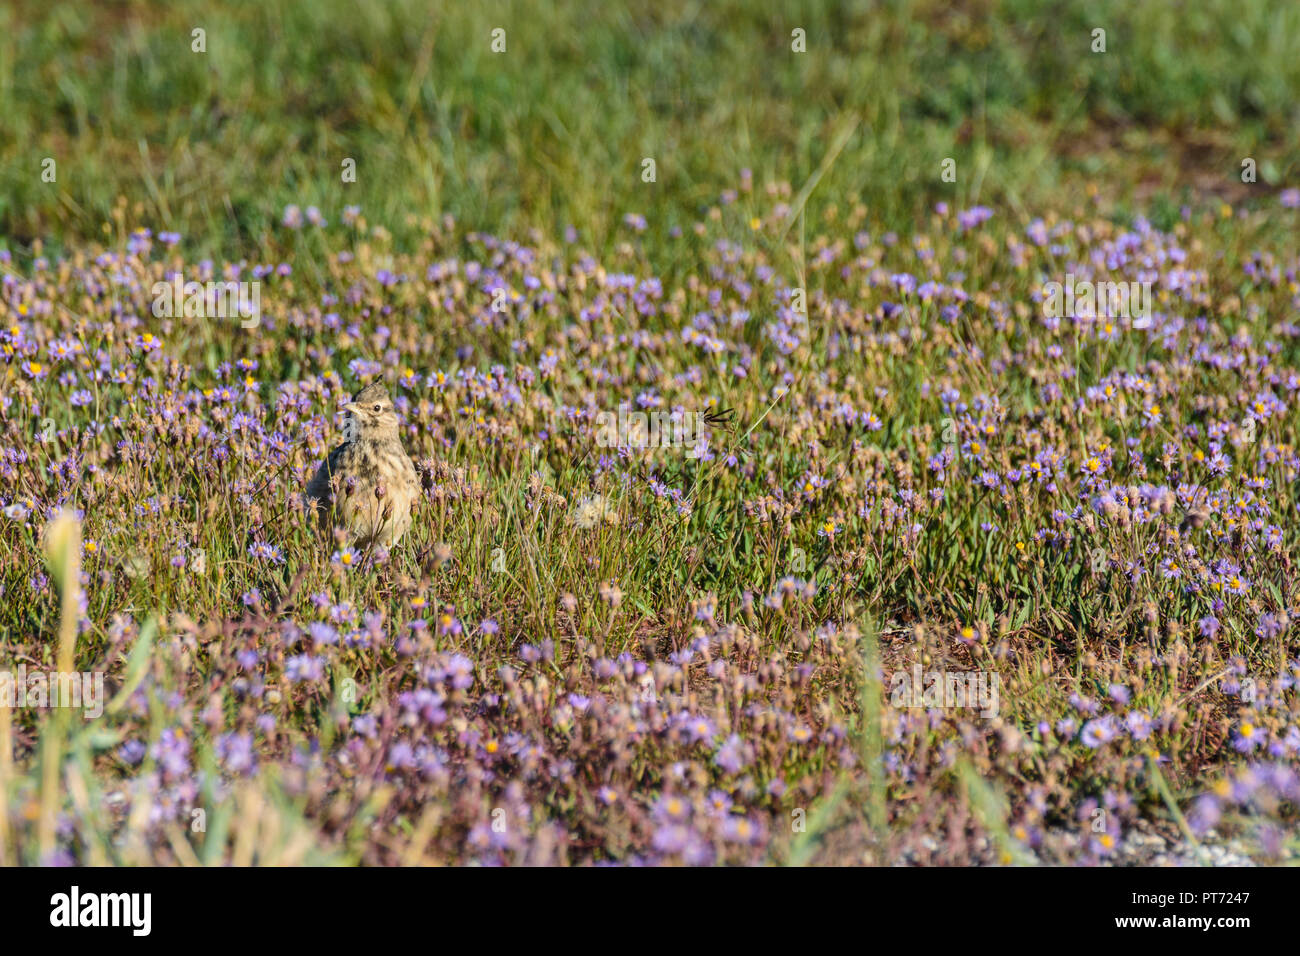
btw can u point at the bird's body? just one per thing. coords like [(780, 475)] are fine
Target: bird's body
[(367, 485)]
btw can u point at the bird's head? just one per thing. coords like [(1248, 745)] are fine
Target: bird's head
[(370, 414)]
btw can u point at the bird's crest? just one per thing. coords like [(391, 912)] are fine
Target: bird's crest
[(374, 392)]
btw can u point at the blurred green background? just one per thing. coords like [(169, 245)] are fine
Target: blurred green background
[(552, 132)]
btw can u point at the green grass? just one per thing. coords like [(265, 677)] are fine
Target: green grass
[(553, 131)]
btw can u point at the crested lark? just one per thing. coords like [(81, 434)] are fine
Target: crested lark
[(367, 484)]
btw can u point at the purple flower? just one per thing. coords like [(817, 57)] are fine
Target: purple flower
[(235, 751), (304, 668), (671, 838), (1139, 725), (1097, 732), (731, 756)]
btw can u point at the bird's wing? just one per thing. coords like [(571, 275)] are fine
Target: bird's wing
[(319, 486)]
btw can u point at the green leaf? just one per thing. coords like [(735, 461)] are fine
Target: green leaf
[(136, 666)]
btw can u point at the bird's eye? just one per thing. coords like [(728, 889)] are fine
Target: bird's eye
[(377, 407)]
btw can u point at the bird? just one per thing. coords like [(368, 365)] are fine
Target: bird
[(367, 485)]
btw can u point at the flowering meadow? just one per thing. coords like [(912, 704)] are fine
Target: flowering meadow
[(594, 649), (847, 433)]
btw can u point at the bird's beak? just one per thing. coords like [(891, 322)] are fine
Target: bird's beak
[(352, 408)]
